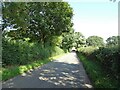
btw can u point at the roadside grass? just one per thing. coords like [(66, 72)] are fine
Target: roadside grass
[(12, 71), (97, 76)]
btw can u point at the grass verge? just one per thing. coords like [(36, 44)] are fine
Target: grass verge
[(98, 78), (13, 71)]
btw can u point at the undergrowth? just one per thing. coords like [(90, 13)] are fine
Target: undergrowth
[(97, 75)]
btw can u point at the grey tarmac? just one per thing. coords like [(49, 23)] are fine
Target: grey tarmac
[(64, 72)]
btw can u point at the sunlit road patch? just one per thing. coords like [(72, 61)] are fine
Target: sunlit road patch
[(65, 72)]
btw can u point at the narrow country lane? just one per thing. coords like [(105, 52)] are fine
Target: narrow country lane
[(65, 72)]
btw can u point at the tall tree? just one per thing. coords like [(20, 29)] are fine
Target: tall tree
[(113, 0), (79, 39), (15, 15), (67, 41), (39, 21), (95, 41), (113, 41), (73, 39)]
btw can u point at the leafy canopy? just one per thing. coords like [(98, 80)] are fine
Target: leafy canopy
[(39, 21), (95, 41), (113, 41)]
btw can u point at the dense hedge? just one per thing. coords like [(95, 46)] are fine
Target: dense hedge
[(19, 52), (99, 79), (107, 57)]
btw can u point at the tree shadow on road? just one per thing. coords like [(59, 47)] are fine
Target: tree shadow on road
[(52, 75)]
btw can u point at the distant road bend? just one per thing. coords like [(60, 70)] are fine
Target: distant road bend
[(65, 72)]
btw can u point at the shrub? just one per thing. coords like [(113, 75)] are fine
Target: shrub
[(99, 79), (107, 57), (87, 50), (19, 52)]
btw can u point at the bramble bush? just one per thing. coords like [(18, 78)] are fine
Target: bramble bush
[(19, 52)]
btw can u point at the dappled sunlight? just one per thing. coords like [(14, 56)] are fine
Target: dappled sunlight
[(60, 73), (75, 71), (88, 85), (61, 80), (10, 84), (23, 74), (43, 78), (68, 75)]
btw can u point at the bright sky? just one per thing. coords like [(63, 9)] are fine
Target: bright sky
[(95, 17)]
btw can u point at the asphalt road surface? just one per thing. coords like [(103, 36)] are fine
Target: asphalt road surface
[(64, 72)]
